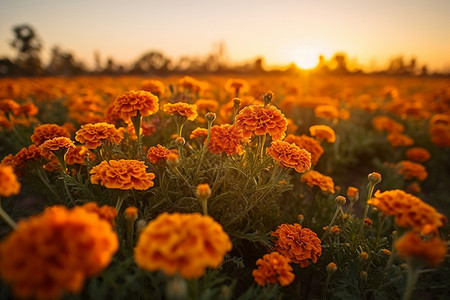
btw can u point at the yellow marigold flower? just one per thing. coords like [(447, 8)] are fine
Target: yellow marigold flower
[(314, 178), (398, 140), (183, 109), (329, 112), (128, 104), (77, 155), (122, 174), (226, 138), (47, 132), (412, 170), (155, 154), (431, 251), (298, 244), (198, 132), (182, 243), (409, 211), (273, 268), (55, 144), (260, 120), (236, 86), (155, 87), (19, 160), (309, 144), (104, 212), (93, 135), (8, 181), (53, 252), (383, 123), (418, 154), (323, 132), (290, 156)]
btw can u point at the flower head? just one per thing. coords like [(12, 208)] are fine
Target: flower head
[(93, 135), (55, 144), (155, 154), (8, 181), (314, 178), (122, 174), (298, 244), (323, 132), (182, 243), (198, 132), (398, 139), (262, 120), (182, 109), (54, 252), (290, 155), (326, 112), (384, 123), (78, 154), (104, 212), (128, 104), (418, 154), (412, 170), (309, 144), (226, 138), (47, 132), (9, 106), (273, 268), (155, 87)]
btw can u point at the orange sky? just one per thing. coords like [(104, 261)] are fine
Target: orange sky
[(370, 32)]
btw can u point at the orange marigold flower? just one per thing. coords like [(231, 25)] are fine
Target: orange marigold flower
[(104, 212), (94, 135), (188, 83), (352, 192), (8, 181), (226, 138), (418, 154), (78, 154), (9, 106), (412, 170), (409, 211), (183, 109), (298, 244), (260, 120), (383, 123), (155, 154), (53, 252), (430, 251), (155, 87), (314, 178), (122, 174), (309, 144), (236, 86), (191, 243), (55, 144), (128, 104), (334, 229), (323, 132), (47, 132), (273, 268), (326, 111), (28, 110), (440, 135), (398, 140), (198, 132), (290, 156), (206, 105)]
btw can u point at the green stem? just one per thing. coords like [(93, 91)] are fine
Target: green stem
[(204, 148), (205, 207), (46, 183), (262, 146), (379, 229), (136, 120), (6, 217), (413, 275), (336, 213), (120, 201), (366, 210)]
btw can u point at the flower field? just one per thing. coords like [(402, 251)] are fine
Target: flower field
[(259, 187)]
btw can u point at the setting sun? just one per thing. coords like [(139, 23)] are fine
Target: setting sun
[(306, 57)]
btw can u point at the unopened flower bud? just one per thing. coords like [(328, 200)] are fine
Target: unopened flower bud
[(386, 252), (268, 97), (210, 116), (176, 288), (374, 178), (340, 200), (364, 256), (180, 141), (331, 268), (131, 214), (301, 218), (203, 191), (172, 160), (237, 103), (353, 194), (368, 222)]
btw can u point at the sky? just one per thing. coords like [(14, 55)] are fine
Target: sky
[(282, 31)]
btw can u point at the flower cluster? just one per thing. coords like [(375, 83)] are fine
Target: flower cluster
[(418, 154), (290, 156), (184, 244), (47, 132)]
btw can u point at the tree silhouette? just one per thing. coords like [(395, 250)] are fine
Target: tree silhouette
[(28, 46)]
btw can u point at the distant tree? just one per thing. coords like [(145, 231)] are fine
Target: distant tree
[(28, 46), (63, 63), (152, 62), (340, 63)]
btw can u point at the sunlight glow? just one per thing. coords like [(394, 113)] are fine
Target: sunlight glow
[(306, 57)]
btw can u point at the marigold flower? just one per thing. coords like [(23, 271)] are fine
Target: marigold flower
[(314, 178), (188, 83), (431, 251), (260, 120), (93, 135), (418, 154), (384, 123), (309, 144), (183, 109), (398, 140), (368, 222), (374, 178), (8, 181), (104, 212), (226, 138), (206, 105), (46, 132), (155, 154), (440, 135), (290, 156), (273, 268), (352, 192), (155, 87), (28, 110), (53, 252), (19, 160), (412, 170), (198, 132), (128, 104), (386, 252), (334, 229), (323, 132), (55, 144), (236, 86), (9, 106), (182, 243), (409, 211), (364, 255), (78, 154), (329, 112), (298, 244), (122, 174)]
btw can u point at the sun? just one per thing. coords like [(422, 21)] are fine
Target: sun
[(306, 58)]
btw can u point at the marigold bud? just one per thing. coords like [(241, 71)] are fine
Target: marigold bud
[(172, 160), (131, 213), (237, 103), (210, 117), (180, 141), (364, 256), (268, 97), (386, 252), (331, 268), (374, 178), (364, 275), (203, 191), (176, 288), (353, 194), (301, 218), (368, 222), (340, 200)]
